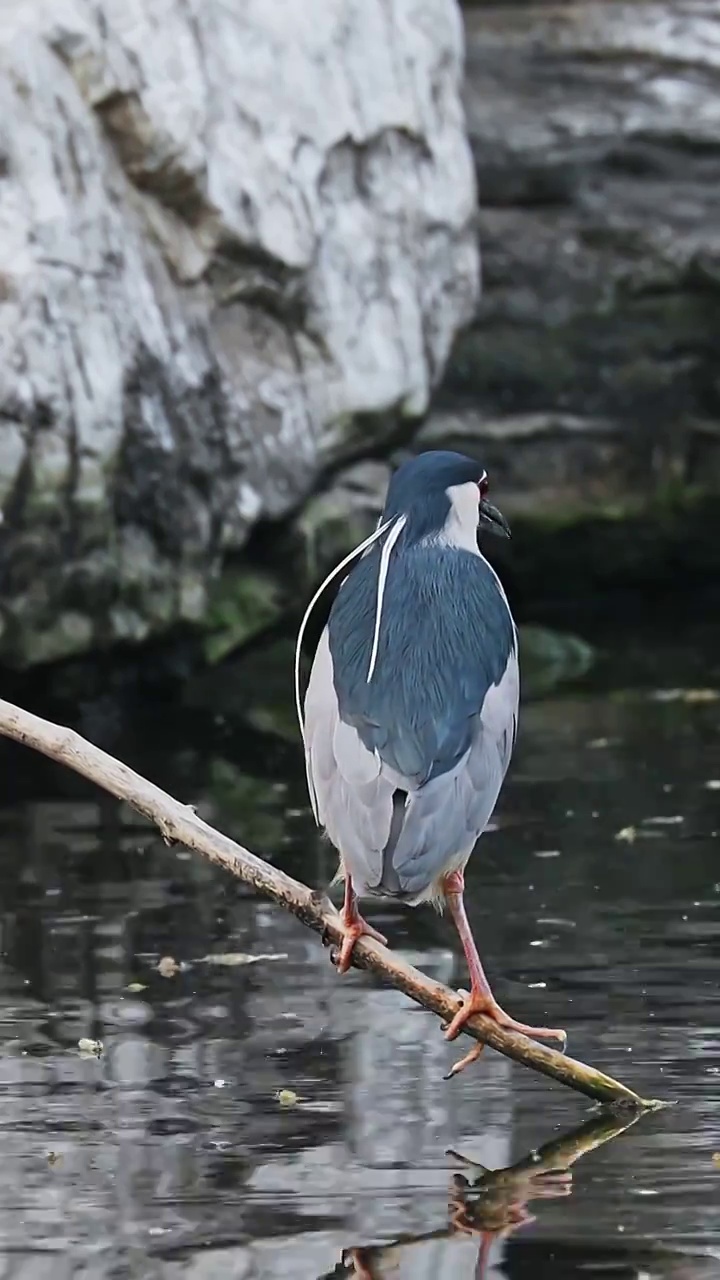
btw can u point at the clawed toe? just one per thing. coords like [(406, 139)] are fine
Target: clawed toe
[(479, 1003), (471, 1056), (351, 933), (535, 1033), (352, 927)]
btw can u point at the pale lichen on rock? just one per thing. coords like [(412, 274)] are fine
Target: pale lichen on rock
[(225, 231)]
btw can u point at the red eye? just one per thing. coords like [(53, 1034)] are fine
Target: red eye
[(483, 486)]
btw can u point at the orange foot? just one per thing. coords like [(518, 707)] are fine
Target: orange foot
[(478, 1002), (356, 928)]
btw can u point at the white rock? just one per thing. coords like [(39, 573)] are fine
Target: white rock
[(226, 227)]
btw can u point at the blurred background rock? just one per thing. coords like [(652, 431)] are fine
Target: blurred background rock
[(239, 280)]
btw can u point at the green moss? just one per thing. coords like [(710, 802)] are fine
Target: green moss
[(69, 633), (673, 535), (255, 805), (550, 658), (328, 532), (243, 602), (524, 356), (250, 688), (623, 346), (672, 501)]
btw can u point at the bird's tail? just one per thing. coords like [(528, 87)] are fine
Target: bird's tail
[(390, 880)]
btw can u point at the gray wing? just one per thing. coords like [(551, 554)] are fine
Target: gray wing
[(349, 790), (445, 817)]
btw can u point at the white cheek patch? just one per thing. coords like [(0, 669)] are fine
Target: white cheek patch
[(461, 525)]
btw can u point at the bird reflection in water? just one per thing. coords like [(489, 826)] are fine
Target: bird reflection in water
[(491, 1204)]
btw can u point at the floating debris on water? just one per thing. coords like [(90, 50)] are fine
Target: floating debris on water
[(236, 958), (90, 1048), (690, 696), (286, 1097)]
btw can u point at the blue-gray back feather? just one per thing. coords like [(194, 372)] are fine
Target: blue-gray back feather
[(446, 636)]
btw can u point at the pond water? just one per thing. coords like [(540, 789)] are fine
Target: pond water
[(273, 1120)]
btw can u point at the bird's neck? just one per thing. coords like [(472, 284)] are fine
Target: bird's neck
[(457, 532)]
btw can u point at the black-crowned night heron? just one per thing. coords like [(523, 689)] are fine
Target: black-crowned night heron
[(412, 705)]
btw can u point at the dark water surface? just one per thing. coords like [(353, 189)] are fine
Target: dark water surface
[(597, 905)]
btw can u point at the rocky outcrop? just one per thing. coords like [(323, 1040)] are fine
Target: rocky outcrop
[(587, 381), (229, 234), (589, 377), (236, 246)]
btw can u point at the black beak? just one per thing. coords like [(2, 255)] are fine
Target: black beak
[(493, 519)]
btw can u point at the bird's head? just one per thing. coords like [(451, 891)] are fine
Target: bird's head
[(443, 495)]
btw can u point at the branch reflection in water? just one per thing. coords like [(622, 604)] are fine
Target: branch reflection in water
[(486, 1205)]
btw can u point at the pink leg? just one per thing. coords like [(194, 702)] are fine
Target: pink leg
[(362, 1264), (353, 927), (486, 1241), (481, 998)]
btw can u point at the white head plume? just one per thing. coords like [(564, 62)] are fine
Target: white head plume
[(348, 559)]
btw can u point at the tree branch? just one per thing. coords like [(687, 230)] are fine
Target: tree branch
[(179, 823)]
